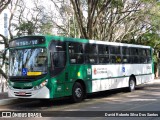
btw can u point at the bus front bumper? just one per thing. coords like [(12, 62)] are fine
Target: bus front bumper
[(29, 93)]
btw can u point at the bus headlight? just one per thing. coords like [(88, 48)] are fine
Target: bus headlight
[(44, 83)]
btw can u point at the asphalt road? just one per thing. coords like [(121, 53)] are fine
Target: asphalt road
[(144, 98)]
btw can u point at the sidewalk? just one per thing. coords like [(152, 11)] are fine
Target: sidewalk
[(155, 80), (3, 95), (5, 100)]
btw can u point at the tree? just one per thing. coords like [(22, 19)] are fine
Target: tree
[(64, 21), (111, 20), (4, 41), (152, 37), (31, 20), (4, 4)]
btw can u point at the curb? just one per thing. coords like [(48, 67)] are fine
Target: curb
[(15, 100), (8, 101)]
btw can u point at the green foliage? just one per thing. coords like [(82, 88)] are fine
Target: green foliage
[(152, 39), (30, 27), (155, 59), (25, 28), (116, 3), (46, 28)]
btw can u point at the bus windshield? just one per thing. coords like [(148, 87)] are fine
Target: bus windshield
[(28, 62)]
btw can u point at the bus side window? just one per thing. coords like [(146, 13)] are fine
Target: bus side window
[(112, 59), (134, 57), (115, 59), (125, 54), (58, 54), (90, 49), (114, 49), (102, 49), (76, 53), (103, 54), (134, 51), (103, 58), (115, 56), (118, 59), (149, 58), (91, 55), (148, 51), (143, 55)]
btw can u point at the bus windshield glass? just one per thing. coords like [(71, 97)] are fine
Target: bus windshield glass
[(28, 62)]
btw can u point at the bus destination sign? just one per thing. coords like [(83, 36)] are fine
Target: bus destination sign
[(26, 41)]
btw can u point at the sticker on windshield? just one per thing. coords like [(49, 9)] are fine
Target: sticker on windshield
[(24, 71), (33, 73)]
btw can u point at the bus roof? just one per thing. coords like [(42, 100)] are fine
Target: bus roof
[(61, 38)]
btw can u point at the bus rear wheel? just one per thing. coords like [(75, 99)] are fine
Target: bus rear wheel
[(132, 84), (77, 92)]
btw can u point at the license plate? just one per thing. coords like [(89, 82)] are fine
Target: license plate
[(21, 93)]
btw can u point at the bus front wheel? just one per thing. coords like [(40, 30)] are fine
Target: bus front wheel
[(132, 84), (77, 92)]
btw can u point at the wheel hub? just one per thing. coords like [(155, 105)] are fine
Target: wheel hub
[(78, 92), (132, 84)]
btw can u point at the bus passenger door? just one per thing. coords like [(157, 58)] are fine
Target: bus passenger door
[(58, 63)]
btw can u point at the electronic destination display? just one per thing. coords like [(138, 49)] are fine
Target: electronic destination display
[(27, 41)]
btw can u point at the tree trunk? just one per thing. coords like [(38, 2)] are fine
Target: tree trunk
[(157, 67), (156, 70)]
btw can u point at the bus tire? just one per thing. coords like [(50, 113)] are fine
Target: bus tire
[(77, 92), (132, 84)]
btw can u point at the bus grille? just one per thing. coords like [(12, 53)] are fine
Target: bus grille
[(23, 79), (22, 88)]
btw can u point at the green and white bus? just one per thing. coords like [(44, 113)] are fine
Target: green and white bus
[(54, 66)]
